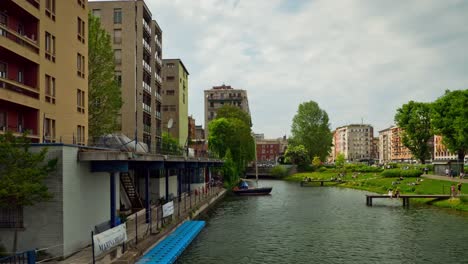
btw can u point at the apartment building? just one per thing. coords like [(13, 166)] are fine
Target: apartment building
[(136, 40), (354, 141), (268, 150), (441, 152), (219, 96), (399, 151), (385, 145), (44, 70), (175, 98)]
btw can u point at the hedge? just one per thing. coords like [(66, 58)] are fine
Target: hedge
[(394, 173)]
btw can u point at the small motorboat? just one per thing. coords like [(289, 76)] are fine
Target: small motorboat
[(252, 191), (245, 189)]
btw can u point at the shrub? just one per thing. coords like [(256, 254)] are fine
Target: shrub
[(279, 171), (394, 173), (322, 169), (305, 168)]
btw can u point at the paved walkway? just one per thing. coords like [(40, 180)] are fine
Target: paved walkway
[(444, 178)]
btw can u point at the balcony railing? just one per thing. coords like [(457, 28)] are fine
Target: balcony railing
[(146, 26), (146, 66), (158, 60), (158, 43), (19, 130), (158, 78), (146, 108), (146, 45), (158, 96), (146, 87), (18, 87), (29, 43), (158, 114), (146, 128)]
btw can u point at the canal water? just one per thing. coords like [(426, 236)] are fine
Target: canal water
[(327, 225)]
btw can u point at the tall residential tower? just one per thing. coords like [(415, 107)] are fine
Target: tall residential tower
[(136, 39)]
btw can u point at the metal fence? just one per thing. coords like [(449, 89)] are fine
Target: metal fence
[(138, 227), (28, 257)]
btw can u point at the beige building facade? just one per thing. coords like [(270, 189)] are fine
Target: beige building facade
[(136, 40), (175, 98), (441, 152), (385, 145), (219, 96), (44, 70), (354, 142)]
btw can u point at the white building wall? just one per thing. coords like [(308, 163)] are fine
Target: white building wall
[(86, 200), (172, 186)]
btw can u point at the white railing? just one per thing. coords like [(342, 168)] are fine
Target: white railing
[(158, 114), (158, 96), (146, 26), (146, 66), (157, 77), (158, 60), (146, 87), (146, 45), (146, 108), (158, 43)]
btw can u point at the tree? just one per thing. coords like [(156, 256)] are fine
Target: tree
[(415, 120), (340, 160), (311, 129), (297, 155), (170, 145), (104, 96), (449, 118), (316, 162), (231, 176), (229, 111), (22, 174)]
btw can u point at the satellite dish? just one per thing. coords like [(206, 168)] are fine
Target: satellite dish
[(170, 123)]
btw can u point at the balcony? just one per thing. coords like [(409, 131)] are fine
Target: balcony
[(146, 66), (146, 26), (158, 60), (157, 78), (146, 87), (19, 119), (18, 28), (147, 128), (158, 96), (158, 115), (146, 108), (35, 3), (158, 42), (146, 46)]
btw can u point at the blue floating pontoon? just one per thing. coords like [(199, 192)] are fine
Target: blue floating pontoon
[(173, 245)]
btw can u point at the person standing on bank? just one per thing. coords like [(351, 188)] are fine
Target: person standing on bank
[(459, 185)]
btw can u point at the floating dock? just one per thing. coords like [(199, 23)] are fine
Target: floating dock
[(173, 245)]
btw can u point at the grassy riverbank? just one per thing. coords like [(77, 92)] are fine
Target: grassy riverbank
[(374, 182)]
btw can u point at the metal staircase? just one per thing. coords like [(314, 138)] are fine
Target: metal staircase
[(127, 183)]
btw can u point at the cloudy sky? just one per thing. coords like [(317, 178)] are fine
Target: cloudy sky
[(359, 60)]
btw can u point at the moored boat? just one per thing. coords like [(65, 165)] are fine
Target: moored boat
[(253, 191)]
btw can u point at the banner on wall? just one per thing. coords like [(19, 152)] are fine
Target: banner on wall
[(168, 209), (109, 239)]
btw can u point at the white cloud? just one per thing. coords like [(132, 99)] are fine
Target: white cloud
[(357, 59)]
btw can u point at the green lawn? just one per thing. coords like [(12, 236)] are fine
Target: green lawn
[(375, 183)]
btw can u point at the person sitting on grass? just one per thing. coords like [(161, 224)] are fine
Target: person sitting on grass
[(397, 192)]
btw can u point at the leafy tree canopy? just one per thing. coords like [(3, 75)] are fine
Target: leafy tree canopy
[(297, 155), (415, 120), (104, 93), (316, 162), (229, 111), (449, 118), (22, 173), (311, 129)]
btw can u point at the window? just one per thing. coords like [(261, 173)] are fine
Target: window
[(81, 30), (49, 130), (49, 89), (3, 19), (170, 78), (117, 36), (80, 65), (80, 101), (3, 121), (118, 78), (211, 104), (117, 16), (170, 92), (82, 3), (97, 13), (11, 217), (80, 135), (50, 46), (50, 9), (118, 56), (20, 75), (170, 65)]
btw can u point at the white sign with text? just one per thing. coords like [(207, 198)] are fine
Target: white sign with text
[(168, 209), (109, 239)]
